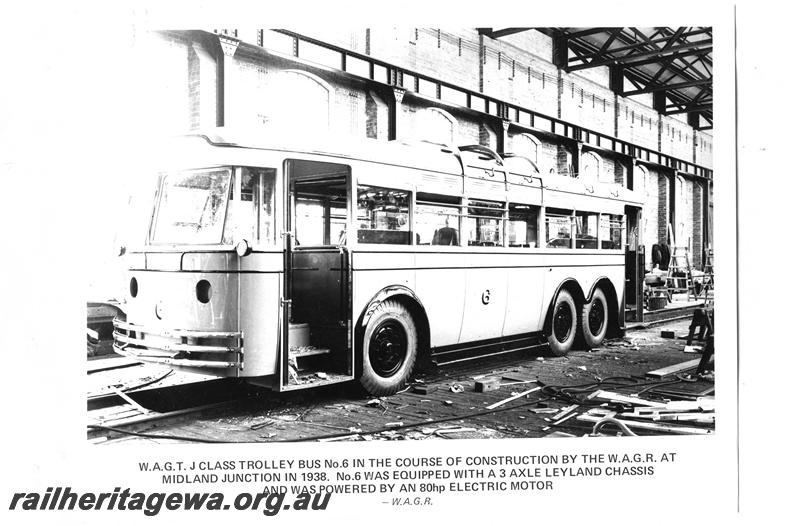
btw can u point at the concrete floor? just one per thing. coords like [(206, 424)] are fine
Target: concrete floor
[(449, 409)]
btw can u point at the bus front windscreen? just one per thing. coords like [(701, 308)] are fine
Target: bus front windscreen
[(191, 207)]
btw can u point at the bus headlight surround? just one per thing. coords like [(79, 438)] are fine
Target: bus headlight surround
[(203, 291)]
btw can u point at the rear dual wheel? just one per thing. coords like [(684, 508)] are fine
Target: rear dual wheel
[(568, 327), (594, 320), (563, 324)]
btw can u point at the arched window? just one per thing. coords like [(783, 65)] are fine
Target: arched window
[(590, 167), (527, 145), (640, 181), (680, 211), (435, 125), (313, 113)]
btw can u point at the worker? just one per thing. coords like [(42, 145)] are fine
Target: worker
[(446, 235)]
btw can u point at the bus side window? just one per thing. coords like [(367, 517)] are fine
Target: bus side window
[(250, 213), (559, 228), (612, 231), (437, 220), (485, 222), (523, 225), (383, 216), (586, 230)]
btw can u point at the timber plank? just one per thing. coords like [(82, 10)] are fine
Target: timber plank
[(673, 369)]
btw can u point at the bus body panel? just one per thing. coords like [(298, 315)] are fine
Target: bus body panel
[(525, 300), (441, 282), (259, 307), (484, 301), (174, 296)]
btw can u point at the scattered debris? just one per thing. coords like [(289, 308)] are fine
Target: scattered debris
[(260, 425), (543, 410), (423, 389), (651, 426), (616, 397), (448, 402), (375, 402), (565, 412), (672, 369), (393, 424), (489, 384), (443, 432), (457, 388), (513, 397), (668, 334)]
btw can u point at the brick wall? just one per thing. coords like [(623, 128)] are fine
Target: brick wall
[(637, 123), (697, 227), (167, 88), (704, 149), (511, 74), (426, 50), (587, 104), (677, 138), (683, 226), (663, 208), (651, 221)]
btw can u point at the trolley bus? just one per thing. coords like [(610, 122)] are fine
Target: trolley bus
[(297, 264)]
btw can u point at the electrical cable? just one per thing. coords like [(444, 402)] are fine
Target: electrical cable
[(610, 420)]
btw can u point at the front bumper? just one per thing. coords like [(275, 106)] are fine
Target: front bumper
[(180, 348)]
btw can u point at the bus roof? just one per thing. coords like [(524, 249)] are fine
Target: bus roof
[(449, 159)]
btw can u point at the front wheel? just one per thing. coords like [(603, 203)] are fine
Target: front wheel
[(563, 324), (594, 320), (389, 349)]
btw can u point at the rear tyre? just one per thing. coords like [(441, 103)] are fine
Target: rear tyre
[(389, 349), (594, 320), (563, 324)]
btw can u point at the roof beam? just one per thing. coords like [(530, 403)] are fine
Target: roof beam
[(664, 87), (498, 33), (689, 109), (639, 45), (654, 56), (587, 32), (691, 48)]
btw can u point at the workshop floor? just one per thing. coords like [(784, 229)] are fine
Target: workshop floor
[(440, 404)]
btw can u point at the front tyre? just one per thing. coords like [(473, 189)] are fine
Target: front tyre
[(563, 324), (389, 349), (594, 320)]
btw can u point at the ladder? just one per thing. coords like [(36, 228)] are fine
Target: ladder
[(679, 264)]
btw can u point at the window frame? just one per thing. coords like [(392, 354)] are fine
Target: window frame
[(467, 204), (356, 220), (536, 210), (456, 204)]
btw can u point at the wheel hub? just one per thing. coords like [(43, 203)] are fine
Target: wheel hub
[(597, 317), (388, 348), (562, 322)]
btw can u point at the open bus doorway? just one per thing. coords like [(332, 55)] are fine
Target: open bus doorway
[(316, 306), (634, 266)]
